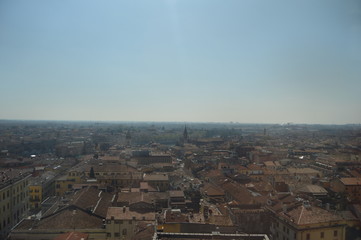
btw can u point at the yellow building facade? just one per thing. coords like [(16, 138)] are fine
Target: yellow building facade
[(35, 195), (66, 182), (305, 222), (14, 201)]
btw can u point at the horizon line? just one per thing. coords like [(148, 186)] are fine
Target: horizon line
[(176, 122)]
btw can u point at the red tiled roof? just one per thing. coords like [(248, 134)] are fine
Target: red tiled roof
[(351, 181), (123, 213), (93, 199), (69, 218), (72, 236), (302, 215)]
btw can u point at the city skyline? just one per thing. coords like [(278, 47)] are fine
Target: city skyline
[(181, 61)]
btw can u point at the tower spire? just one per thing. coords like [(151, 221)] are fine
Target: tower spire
[(185, 134)]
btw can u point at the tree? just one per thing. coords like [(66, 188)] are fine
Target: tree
[(91, 174)]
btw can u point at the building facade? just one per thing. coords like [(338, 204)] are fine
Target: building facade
[(14, 199), (306, 222)]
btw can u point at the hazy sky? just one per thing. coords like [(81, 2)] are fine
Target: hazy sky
[(196, 60)]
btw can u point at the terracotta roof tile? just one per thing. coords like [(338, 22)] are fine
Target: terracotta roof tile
[(72, 236)]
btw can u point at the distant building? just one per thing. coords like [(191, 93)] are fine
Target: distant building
[(177, 200), (144, 157), (352, 187), (122, 223), (70, 149), (212, 193), (158, 181), (249, 218), (143, 201)]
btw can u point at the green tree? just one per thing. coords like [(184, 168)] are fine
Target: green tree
[(92, 174)]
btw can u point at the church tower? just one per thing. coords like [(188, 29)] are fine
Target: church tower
[(185, 135)]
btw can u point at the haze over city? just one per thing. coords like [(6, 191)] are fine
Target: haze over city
[(180, 119), (199, 61)]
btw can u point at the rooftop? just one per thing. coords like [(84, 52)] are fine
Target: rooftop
[(123, 213), (313, 189), (214, 236), (72, 236), (7, 176), (176, 194), (351, 181), (155, 177), (93, 199), (67, 218), (302, 215)]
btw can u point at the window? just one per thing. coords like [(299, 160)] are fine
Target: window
[(124, 231), (335, 233), (322, 235), (308, 237)]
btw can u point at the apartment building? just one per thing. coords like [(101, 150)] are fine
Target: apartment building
[(14, 199)]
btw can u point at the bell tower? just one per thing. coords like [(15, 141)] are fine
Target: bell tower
[(185, 135)]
